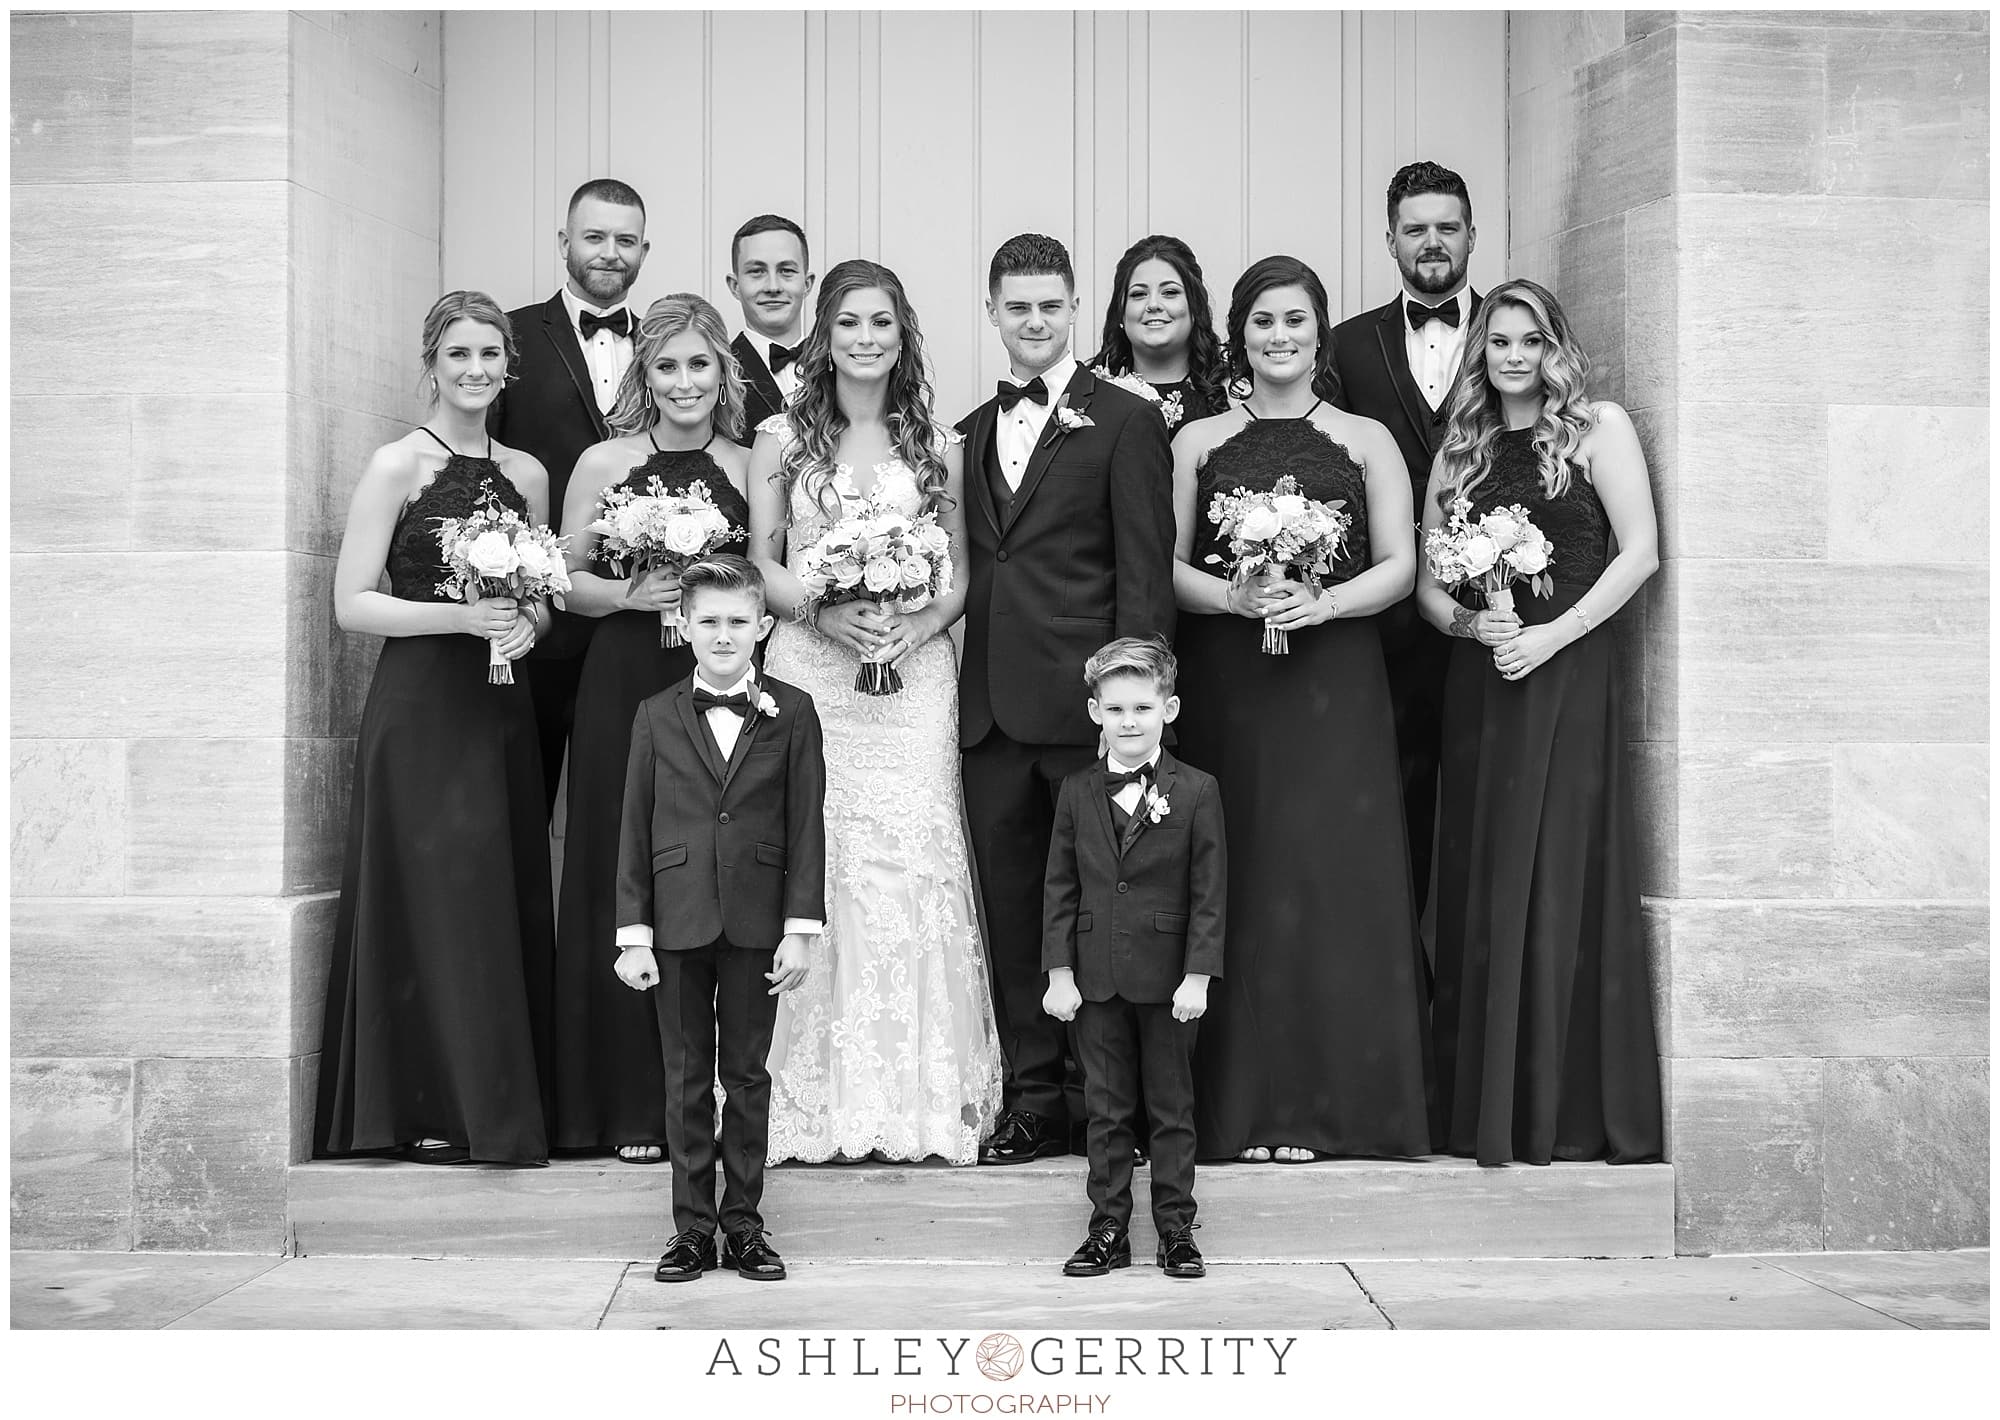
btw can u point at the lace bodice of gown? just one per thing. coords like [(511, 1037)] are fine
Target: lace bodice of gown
[(1265, 450), (415, 562), (1575, 523), (895, 489), (678, 470)]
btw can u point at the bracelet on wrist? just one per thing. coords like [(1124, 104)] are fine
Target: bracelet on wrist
[(1584, 617)]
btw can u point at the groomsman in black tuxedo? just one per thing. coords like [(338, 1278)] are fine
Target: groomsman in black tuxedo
[(1071, 540), (1397, 365), (574, 348), (771, 277)]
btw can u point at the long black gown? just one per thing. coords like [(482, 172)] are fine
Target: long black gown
[(610, 1090), (437, 1021), (1543, 1017), (1315, 1034)]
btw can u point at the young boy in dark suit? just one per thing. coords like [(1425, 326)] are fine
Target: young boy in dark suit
[(721, 881), (1132, 931)]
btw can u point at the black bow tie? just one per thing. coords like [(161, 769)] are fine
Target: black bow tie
[(1114, 779), (781, 356), (1418, 314), (1012, 394), (705, 701), (618, 322)]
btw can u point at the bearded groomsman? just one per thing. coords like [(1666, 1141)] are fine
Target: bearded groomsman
[(771, 277), (1397, 365), (574, 348)]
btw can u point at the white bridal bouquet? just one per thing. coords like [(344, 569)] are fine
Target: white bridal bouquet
[(645, 532), (899, 562), (1278, 533), (495, 552), (1503, 547)]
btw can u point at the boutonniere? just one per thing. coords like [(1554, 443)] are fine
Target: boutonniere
[(1064, 420), (766, 705), (1155, 805)]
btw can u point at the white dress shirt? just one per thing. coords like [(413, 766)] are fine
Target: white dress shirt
[(1435, 348), (1019, 428), (725, 724), (1127, 798), (787, 378), (605, 355)]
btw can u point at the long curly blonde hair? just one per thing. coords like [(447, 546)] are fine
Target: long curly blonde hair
[(814, 409), (635, 411), (1474, 423)]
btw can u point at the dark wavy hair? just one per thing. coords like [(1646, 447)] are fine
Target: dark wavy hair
[(635, 411), (814, 410), (1267, 275), (465, 305), (1474, 422), (1205, 363)]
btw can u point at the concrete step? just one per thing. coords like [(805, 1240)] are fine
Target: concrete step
[(1336, 1211)]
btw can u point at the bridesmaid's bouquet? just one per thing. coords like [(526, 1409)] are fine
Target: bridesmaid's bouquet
[(649, 531), (495, 552), (1278, 533), (1503, 547), (896, 561)]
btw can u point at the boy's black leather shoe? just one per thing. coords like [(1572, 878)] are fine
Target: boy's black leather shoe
[(1178, 1256), (1108, 1247), (753, 1257), (688, 1256)]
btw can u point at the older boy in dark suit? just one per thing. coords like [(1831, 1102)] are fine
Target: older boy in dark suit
[(1133, 914), (721, 879)]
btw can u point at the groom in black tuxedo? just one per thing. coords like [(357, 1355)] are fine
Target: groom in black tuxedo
[(1397, 365), (771, 277), (1071, 541), (573, 350)]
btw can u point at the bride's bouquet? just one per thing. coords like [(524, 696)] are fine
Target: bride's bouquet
[(1278, 533), (899, 562), (495, 552), (1503, 547), (654, 530)]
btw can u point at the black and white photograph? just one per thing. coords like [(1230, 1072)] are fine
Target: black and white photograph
[(1112, 693)]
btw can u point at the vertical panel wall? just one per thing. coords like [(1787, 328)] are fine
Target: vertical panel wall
[(924, 138)]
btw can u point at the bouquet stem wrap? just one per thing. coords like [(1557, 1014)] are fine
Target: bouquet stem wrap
[(499, 670), (1276, 642), (1499, 598), (878, 678)]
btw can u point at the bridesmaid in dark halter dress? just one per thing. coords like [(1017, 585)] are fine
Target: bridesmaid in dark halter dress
[(436, 1037), (1314, 1043), (1544, 1019), (681, 390)]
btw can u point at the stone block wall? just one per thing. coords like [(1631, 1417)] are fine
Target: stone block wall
[(224, 240), (1771, 230)]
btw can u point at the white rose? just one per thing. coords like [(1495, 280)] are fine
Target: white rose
[(630, 523), (916, 570), (492, 555), (845, 572), (1530, 558), (684, 535), (1479, 554), (933, 539), (880, 575), (1290, 506), (1260, 524), (1502, 527), (534, 558)]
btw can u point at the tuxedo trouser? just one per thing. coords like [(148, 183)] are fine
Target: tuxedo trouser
[(716, 1017), (1121, 1043), (1010, 805)]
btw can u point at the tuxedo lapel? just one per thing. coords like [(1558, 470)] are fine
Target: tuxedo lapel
[(757, 373), (978, 444), (1396, 355), (1101, 794), (1163, 783), (697, 730), (741, 748), (1081, 385), (562, 335)]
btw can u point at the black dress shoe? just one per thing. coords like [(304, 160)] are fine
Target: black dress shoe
[(1178, 1256), (1107, 1248), (752, 1256), (688, 1256), (1022, 1136)]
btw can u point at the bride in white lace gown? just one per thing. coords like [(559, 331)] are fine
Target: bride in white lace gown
[(888, 1049)]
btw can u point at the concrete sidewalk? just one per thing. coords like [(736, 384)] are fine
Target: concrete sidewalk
[(1816, 1291)]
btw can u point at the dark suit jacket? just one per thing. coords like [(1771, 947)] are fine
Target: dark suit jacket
[(708, 850), (548, 408), (1132, 924), (1373, 367), (762, 397), (1084, 554)]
